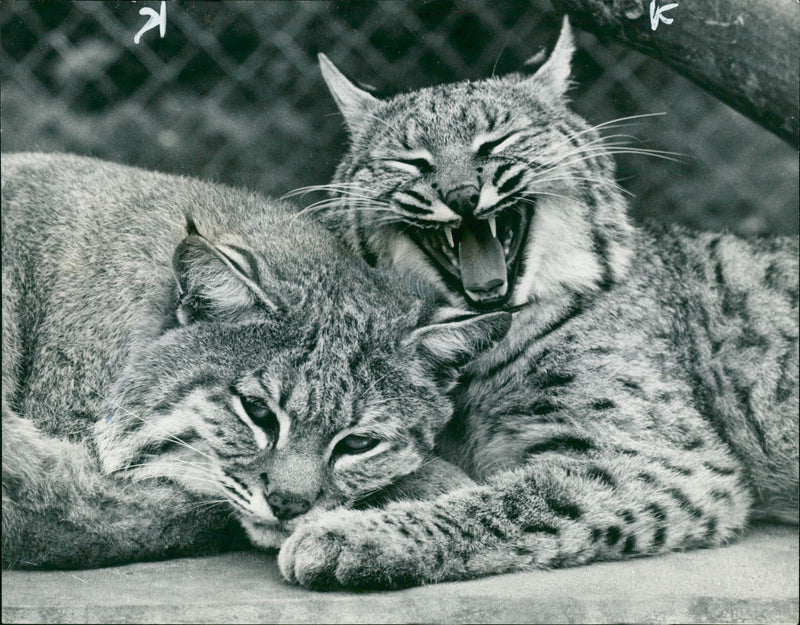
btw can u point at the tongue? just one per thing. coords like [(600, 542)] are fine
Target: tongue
[(483, 263)]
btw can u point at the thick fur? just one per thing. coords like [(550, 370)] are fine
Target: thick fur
[(178, 356), (646, 398)]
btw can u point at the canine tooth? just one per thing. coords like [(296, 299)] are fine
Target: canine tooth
[(448, 232), (493, 226)]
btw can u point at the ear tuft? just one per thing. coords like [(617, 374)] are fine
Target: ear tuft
[(554, 74), (353, 102)]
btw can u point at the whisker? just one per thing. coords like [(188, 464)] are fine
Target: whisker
[(561, 195), (598, 181), (604, 145), (170, 476), (314, 188), (209, 505), (344, 205), (150, 465), (663, 155), (497, 60), (585, 155), (200, 465), (357, 192), (170, 437), (337, 206), (613, 123)]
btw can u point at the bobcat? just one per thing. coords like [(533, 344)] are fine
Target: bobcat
[(160, 372), (646, 397)]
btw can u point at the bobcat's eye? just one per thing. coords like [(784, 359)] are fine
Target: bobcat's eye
[(417, 164), (355, 444), (255, 408), (260, 416), (485, 148)]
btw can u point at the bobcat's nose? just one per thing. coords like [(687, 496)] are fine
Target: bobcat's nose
[(463, 199), (286, 505)]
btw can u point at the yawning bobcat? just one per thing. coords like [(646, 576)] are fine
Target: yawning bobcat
[(646, 397), (159, 373)]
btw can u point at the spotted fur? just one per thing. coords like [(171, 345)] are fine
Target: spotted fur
[(162, 377), (646, 398)]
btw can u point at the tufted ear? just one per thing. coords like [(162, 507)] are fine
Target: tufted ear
[(454, 337), (354, 103), (216, 282), (554, 74)]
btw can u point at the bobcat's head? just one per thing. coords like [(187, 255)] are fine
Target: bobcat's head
[(493, 191), (277, 396)]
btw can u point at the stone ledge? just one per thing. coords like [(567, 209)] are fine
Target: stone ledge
[(754, 580)]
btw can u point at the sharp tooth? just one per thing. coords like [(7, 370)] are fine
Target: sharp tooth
[(493, 226), (448, 232)]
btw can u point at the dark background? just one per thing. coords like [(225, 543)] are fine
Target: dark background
[(233, 94)]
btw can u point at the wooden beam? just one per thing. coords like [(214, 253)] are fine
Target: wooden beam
[(745, 52)]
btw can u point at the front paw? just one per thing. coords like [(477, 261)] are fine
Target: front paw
[(349, 549), (310, 556)]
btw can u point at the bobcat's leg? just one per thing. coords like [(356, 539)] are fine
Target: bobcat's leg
[(560, 509), (434, 478)]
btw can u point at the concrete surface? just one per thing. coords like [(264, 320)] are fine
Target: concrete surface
[(751, 581)]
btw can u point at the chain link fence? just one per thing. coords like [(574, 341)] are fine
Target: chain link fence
[(233, 93)]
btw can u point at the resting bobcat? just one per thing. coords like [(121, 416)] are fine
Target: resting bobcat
[(239, 361), (646, 397)]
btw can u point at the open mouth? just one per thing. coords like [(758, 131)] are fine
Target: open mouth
[(481, 258)]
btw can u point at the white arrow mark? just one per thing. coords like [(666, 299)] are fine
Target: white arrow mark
[(155, 19)]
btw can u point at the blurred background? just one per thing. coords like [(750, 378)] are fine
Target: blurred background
[(233, 93)]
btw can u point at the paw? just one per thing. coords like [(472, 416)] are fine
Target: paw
[(348, 549), (310, 556)]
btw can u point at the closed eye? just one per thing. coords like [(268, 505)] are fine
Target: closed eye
[(417, 165), (485, 148)]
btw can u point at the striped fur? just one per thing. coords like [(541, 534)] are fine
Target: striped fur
[(646, 398), (162, 376)]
